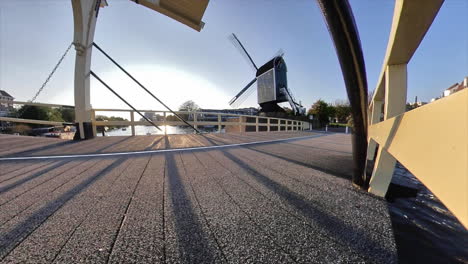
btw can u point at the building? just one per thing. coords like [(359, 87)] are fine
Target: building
[(456, 87), (5, 107), (239, 111)]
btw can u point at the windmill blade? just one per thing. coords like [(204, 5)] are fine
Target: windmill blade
[(239, 95), (242, 98), (236, 42), (279, 53)]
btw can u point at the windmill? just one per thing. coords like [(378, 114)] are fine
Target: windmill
[(272, 85)]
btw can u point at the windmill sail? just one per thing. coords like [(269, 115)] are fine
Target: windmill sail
[(236, 42), (242, 95)]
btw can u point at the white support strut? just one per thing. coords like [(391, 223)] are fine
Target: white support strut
[(85, 14)]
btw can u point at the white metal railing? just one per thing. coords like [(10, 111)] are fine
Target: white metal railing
[(222, 119), (267, 124)]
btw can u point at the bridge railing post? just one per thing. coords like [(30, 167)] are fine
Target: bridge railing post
[(219, 123), (93, 122), (164, 123), (195, 119), (132, 120), (256, 124), (268, 124), (395, 104)]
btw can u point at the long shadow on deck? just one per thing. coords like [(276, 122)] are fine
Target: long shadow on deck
[(112, 144), (31, 177), (192, 241), (29, 152), (150, 147), (331, 225), (338, 172), (10, 239)]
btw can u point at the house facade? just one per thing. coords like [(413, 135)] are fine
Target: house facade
[(5, 107)]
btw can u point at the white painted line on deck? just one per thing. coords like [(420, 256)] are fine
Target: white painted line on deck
[(97, 155)]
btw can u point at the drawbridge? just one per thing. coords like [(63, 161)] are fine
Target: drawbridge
[(384, 132)]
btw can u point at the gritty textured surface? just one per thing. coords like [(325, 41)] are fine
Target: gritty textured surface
[(283, 202)]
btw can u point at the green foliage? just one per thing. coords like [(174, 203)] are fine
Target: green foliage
[(172, 118), (189, 106), (321, 111), (111, 118), (342, 111), (68, 114), (39, 113)]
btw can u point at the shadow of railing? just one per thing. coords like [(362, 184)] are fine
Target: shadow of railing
[(19, 232), (17, 183), (150, 147), (191, 239), (332, 226), (335, 172), (29, 152)]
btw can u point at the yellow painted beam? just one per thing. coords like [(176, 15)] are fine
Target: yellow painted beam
[(432, 143), (411, 20), (187, 12)]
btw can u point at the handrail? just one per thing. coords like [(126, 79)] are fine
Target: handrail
[(288, 124), (429, 141), (34, 104), (182, 112), (33, 121)]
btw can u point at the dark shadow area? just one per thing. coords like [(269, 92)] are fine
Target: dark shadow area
[(30, 152), (192, 241), (31, 177), (215, 142), (425, 231), (312, 147), (9, 240), (338, 172), (113, 144), (334, 227), (155, 143)]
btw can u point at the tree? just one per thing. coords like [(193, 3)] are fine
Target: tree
[(189, 106), (68, 114), (39, 113), (342, 110), (321, 111), (112, 118)]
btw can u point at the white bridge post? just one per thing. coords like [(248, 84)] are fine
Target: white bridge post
[(84, 17)]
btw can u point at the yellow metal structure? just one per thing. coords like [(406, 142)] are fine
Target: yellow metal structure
[(187, 12), (430, 141)]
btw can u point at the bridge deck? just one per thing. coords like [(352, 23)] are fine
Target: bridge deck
[(277, 202)]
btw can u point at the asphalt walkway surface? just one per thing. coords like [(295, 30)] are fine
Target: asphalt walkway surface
[(273, 202)]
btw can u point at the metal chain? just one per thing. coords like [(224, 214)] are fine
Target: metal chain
[(51, 74)]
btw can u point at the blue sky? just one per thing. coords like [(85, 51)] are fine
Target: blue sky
[(178, 63)]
